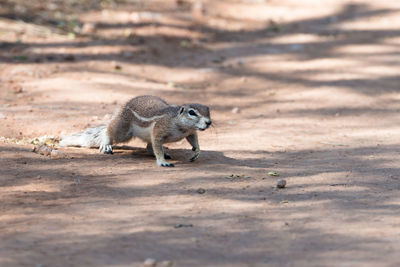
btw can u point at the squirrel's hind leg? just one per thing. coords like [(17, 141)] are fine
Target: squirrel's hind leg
[(106, 149)]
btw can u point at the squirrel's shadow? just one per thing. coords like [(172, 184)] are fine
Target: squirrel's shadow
[(207, 157)]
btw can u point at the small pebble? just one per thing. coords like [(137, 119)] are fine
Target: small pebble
[(281, 183), (115, 65), (2, 116), (56, 154), (18, 89), (236, 110), (149, 262), (201, 191), (166, 263), (88, 28), (42, 150)]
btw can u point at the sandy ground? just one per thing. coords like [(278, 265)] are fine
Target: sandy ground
[(308, 89)]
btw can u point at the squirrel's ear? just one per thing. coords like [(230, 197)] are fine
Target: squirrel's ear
[(181, 110)]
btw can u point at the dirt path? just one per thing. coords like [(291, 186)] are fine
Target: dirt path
[(309, 90)]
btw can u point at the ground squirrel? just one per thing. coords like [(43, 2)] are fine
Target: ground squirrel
[(151, 119)]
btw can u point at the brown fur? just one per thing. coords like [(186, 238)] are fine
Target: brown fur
[(169, 123)]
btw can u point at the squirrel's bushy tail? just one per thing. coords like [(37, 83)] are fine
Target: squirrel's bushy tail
[(91, 137)]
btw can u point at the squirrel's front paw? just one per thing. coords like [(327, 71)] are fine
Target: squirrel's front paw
[(165, 164), (196, 156)]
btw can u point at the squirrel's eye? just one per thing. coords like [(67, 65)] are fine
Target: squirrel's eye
[(192, 113)]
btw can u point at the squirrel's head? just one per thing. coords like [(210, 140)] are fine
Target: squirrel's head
[(196, 116)]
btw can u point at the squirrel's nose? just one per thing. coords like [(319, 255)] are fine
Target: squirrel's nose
[(208, 123)]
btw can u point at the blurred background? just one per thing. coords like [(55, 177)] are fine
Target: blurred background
[(308, 90)]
